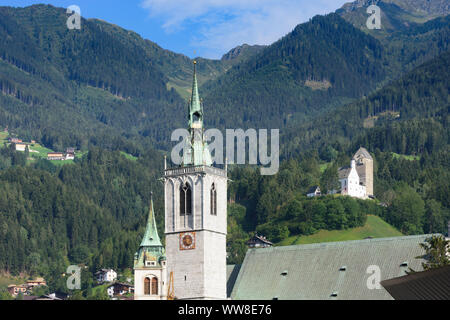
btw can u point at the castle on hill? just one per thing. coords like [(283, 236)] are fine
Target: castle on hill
[(357, 179)]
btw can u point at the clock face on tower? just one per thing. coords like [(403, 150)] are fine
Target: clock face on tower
[(187, 240)]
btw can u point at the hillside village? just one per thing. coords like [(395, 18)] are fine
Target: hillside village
[(106, 282), (34, 149)]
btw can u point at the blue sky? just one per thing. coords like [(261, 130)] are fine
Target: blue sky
[(206, 28)]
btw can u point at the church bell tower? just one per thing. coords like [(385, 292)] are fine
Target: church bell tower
[(150, 269), (196, 215)]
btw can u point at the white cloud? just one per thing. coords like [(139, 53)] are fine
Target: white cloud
[(224, 24)]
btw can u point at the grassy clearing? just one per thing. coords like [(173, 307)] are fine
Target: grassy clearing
[(128, 156), (183, 91), (323, 167), (41, 151), (375, 227), (406, 157)]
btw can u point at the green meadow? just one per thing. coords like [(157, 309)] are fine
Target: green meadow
[(375, 227)]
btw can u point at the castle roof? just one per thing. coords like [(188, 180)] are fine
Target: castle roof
[(331, 270), (362, 152), (344, 172)]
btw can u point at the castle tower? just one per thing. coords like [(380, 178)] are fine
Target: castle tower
[(150, 268), (364, 167), (196, 216)]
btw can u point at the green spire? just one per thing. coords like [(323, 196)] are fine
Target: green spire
[(151, 250), (195, 106), (151, 237), (197, 151)]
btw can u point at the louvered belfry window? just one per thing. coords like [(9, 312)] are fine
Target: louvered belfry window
[(185, 199)]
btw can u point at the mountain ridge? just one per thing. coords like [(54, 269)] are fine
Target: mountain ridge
[(395, 14), (112, 82)]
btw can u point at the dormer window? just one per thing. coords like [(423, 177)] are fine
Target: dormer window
[(150, 263)]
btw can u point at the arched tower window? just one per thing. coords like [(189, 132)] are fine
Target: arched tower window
[(213, 200), (185, 199), (154, 286), (147, 286)]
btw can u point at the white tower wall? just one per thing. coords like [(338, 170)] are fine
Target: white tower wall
[(199, 272)]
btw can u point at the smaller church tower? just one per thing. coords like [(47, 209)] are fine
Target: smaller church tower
[(150, 269)]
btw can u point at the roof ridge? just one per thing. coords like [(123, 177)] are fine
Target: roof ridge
[(346, 242)]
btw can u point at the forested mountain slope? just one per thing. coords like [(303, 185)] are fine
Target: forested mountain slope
[(177, 68), (107, 86), (242, 52), (92, 212), (320, 65), (100, 85), (75, 87), (408, 116)]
